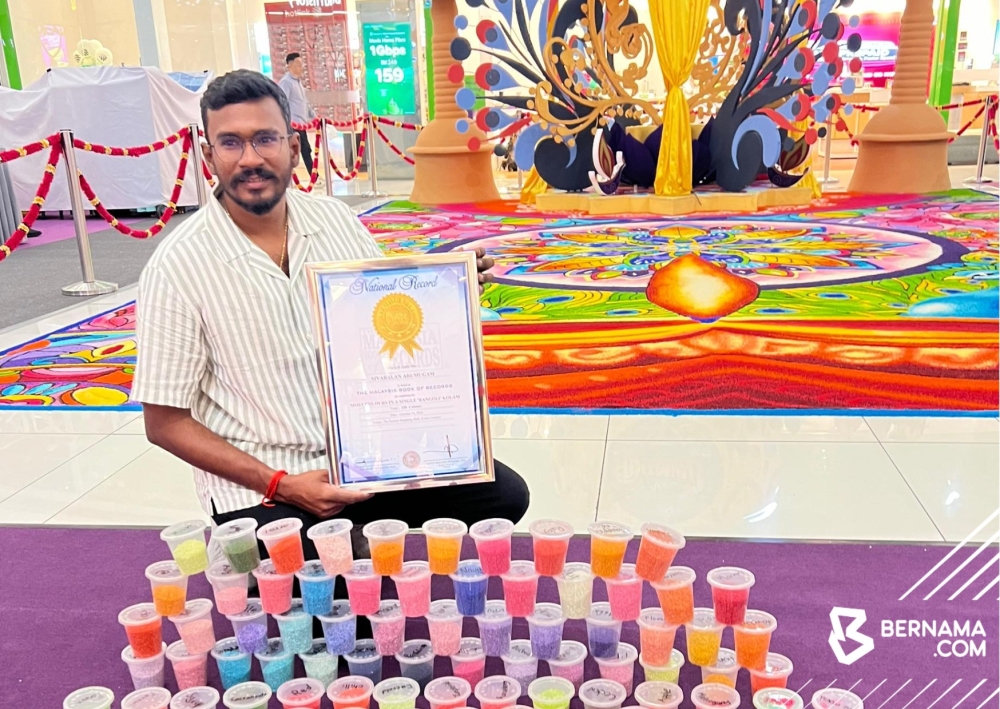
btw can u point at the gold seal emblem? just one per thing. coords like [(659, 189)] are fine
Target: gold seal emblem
[(398, 320)]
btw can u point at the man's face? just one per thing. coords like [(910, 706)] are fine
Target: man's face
[(255, 183), (296, 67)]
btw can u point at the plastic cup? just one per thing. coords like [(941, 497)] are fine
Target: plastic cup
[(364, 587), (520, 665), (194, 625), (608, 541), (413, 588), (144, 629), (196, 698), (659, 695), (146, 671), (332, 539), (233, 663), (715, 696), (775, 673), (187, 545), (656, 638), (657, 549), (520, 587), (340, 628), (89, 698), (723, 671), (319, 664), (604, 632), (316, 587), (576, 590), (250, 627), (675, 592), (396, 693), (283, 541), (602, 694), (169, 587), (495, 627), (447, 693), (247, 695), (416, 661), (385, 539), (239, 543), (275, 589), (469, 663), (730, 593), (444, 544), (229, 587), (776, 698), (295, 627), (470, 587), (625, 593), (302, 693), (545, 629), (444, 625), (550, 542), (365, 661), (190, 669), (704, 636), (388, 626), (669, 672), (753, 639), (351, 692), (492, 537), (499, 692), (147, 698), (832, 698), (621, 667), (551, 693), (569, 664), (277, 664)]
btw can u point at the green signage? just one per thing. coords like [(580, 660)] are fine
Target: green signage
[(389, 69)]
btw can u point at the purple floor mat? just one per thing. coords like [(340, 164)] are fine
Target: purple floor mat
[(61, 590)]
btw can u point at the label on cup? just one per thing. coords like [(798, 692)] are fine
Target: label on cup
[(296, 609), (412, 570), (448, 688), (602, 692), (610, 529), (253, 609), (347, 684), (601, 611), (274, 647), (340, 609), (726, 660), (415, 650), (318, 648), (547, 612), (401, 687), (571, 652), (470, 647), (521, 569), (730, 576), (444, 527), (363, 651), (248, 692), (714, 694), (388, 609), (164, 570), (501, 688), (759, 621), (495, 609), (183, 529), (520, 649), (444, 609), (550, 528), (627, 574), (651, 616), (576, 572), (313, 569), (360, 568), (281, 526), (492, 528), (385, 528), (831, 698), (469, 568)]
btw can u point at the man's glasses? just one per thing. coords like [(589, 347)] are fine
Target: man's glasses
[(229, 148)]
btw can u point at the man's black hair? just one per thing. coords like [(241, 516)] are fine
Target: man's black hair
[(241, 86), (292, 57)]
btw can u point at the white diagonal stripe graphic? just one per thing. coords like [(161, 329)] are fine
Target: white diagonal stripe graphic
[(995, 692), (942, 694), (983, 592), (973, 555), (919, 693), (804, 686), (979, 573), (971, 691), (830, 685), (952, 552), (894, 694), (865, 698), (851, 688)]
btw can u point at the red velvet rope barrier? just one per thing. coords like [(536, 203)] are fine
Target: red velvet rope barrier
[(397, 124), (969, 124), (29, 149), (385, 139), (134, 152), (314, 174), (55, 151), (870, 108), (357, 160)]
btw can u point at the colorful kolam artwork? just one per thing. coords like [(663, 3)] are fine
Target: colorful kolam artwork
[(860, 303)]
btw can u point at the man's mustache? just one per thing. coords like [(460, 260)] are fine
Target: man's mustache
[(260, 172)]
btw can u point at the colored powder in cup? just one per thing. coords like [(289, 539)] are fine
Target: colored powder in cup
[(751, 648), (730, 605), (252, 637), (677, 605), (364, 595), (421, 673), (191, 556), (231, 600), (191, 672), (545, 641), (443, 554), (146, 674), (470, 596), (393, 703), (415, 596), (653, 560), (287, 554), (388, 635), (146, 639), (335, 553), (574, 672), (625, 600), (494, 555), (657, 643), (371, 670), (719, 679), (620, 673), (296, 633), (550, 556), (575, 597), (472, 672), (321, 666), (243, 555), (341, 636), (446, 637), (703, 646), (496, 637), (759, 682), (198, 635), (662, 674), (352, 697), (275, 593), (387, 557), (317, 596), (551, 699), (277, 672), (524, 672), (233, 670), (603, 641), (606, 557), (520, 596), (169, 600)]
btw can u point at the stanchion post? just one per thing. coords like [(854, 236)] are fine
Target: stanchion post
[(324, 155), (89, 285), (828, 148), (199, 171), (984, 138), (372, 164)]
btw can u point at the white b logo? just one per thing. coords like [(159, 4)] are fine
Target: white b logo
[(838, 635)]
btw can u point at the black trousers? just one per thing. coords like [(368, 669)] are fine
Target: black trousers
[(306, 150)]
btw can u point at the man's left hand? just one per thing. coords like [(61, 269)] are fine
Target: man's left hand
[(483, 264)]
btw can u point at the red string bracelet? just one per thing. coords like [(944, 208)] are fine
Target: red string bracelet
[(272, 488)]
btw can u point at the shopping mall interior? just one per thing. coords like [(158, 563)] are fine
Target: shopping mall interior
[(743, 298)]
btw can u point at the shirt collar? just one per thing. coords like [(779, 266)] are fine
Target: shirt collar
[(232, 243)]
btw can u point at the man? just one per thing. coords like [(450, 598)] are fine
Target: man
[(227, 371), (291, 84)]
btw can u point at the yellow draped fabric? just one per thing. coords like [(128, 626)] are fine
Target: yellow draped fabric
[(533, 185), (678, 28)]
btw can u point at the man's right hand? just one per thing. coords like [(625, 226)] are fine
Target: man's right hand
[(313, 493)]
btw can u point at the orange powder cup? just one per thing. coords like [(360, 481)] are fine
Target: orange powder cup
[(385, 539), (676, 595), (753, 639), (283, 540), (608, 541), (444, 544), (169, 587), (657, 550)]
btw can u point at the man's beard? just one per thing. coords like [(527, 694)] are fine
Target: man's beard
[(263, 206)]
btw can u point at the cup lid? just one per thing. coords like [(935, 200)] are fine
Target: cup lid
[(704, 619), (178, 651), (519, 651), (280, 528), (412, 570), (329, 528), (188, 528), (339, 611), (551, 529), (360, 569), (626, 653), (570, 653), (195, 609), (148, 698), (363, 650), (602, 693), (196, 698), (266, 568), (775, 666), (318, 647), (228, 648), (164, 571), (663, 535), (676, 577), (313, 570), (350, 687), (715, 696), (234, 528), (128, 655), (444, 609), (658, 695), (520, 569), (385, 529), (832, 698), (777, 698), (498, 687), (89, 698), (651, 617), (222, 570), (492, 528), (725, 661), (415, 652), (247, 695), (610, 530), (758, 622), (272, 650), (495, 612), (138, 614), (470, 648), (548, 684), (576, 571), (469, 570), (397, 689), (546, 614), (626, 574), (600, 614), (388, 609), (447, 689), (731, 577), (300, 692), (294, 612), (444, 527), (253, 611)]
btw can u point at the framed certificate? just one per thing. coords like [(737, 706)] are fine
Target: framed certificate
[(403, 379)]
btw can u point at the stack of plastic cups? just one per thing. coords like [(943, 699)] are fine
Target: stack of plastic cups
[(621, 667), (608, 541), (730, 593), (396, 693), (187, 545), (413, 588), (275, 589), (190, 669), (233, 662), (388, 627), (444, 544), (569, 664), (704, 636), (656, 638), (316, 586), (723, 671), (196, 698), (146, 671), (753, 639), (551, 693), (295, 628), (659, 695), (676, 595), (229, 586), (604, 632), (602, 694), (545, 628), (495, 626), (283, 541), (550, 542), (195, 627), (625, 593), (520, 664), (499, 692), (247, 695), (657, 550), (469, 663), (385, 540), (714, 696), (416, 661), (148, 698), (302, 693), (670, 672), (492, 537), (447, 693), (775, 673), (365, 661), (168, 586), (352, 692), (340, 628), (239, 543), (250, 627), (520, 587), (364, 587), (444, 624), (319, 663), (277, 664), (576, 590), (470, 587), (333, 545), (833, 698), (89, 698), (144, 629), (774, 698)]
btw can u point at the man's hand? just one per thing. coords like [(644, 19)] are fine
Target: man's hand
[(313, 493), (483, 264)]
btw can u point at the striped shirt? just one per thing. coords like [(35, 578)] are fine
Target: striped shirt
[(223, 332)]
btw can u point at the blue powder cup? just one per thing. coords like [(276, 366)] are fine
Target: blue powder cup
[(233, 663), (470, 587), (545, 628), (603, 632), (277, 664), (295, 627), (365, 661), (340, 628), (316, 586)]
